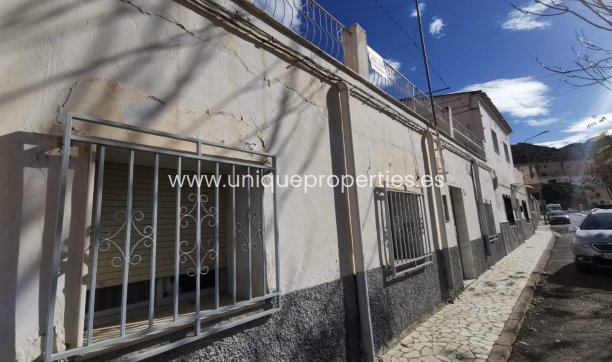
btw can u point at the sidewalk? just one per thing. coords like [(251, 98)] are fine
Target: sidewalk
[(468, 329)]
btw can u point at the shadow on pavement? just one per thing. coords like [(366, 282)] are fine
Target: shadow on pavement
[(596, 279)]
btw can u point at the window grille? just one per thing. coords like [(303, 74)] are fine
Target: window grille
[(407, 240), (172, 256)]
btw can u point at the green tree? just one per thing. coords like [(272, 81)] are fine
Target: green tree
[(602, 162)]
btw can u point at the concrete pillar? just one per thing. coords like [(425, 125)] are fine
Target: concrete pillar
[(355, 45), (451, 131)]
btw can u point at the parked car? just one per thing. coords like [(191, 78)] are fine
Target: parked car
[(603, 207), (592, 244), (553, 207), (558, 217)]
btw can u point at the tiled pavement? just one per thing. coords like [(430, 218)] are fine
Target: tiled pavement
[(467, 329)]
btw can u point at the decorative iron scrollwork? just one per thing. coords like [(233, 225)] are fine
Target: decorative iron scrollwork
[(146, 239), (208, 251), (251, 219)]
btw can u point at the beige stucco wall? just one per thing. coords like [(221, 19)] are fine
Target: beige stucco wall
[(156, 65), (382, 146)]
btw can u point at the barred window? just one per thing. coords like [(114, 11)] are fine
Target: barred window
[(177, 238), (407, 235)]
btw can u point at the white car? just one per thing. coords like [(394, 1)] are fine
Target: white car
[(592, 244)]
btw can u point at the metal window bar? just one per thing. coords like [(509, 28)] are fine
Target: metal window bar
[(127, 248), (177, 242), (309, 20), (96, 244), (233, 233), (153, 245), (249, 236), (394, 234), (129, 254), (199, 242), (409, 245)]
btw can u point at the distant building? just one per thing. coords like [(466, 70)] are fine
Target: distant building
[(577, 173)]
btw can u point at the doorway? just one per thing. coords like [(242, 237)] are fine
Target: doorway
[(461, 231)]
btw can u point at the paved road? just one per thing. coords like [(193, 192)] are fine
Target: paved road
[(570, 318)]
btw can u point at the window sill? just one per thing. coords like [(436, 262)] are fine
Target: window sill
[(138, 331)]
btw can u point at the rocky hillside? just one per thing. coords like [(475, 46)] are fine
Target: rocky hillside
[(571, 152)]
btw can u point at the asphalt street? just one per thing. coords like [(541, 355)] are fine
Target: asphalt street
[(570, 317)]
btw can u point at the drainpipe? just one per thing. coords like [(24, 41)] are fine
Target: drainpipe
[(434, 200), (480, 205), (348, 168)]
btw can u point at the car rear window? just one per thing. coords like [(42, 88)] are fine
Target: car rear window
[(598, 222), (556, 213)]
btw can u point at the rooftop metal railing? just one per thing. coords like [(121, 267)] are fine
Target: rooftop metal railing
[(309, 20), (398, 86), (312, 22)]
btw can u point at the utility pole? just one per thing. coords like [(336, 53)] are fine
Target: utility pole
[(431, 100), (436, 195)]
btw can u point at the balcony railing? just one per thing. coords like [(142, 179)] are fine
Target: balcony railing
[(312, 22), (467, 138), (399, 87)]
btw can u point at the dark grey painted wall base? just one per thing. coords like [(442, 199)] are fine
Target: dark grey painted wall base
[(314, 324), (482, 261), (396, 304), (322, 323)]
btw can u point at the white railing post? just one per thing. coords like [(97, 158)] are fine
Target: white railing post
[(451, 124), (355, 45)]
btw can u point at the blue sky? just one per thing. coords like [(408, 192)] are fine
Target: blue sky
[(482, 44)]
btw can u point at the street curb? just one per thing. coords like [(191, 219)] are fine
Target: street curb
[(503, 346)]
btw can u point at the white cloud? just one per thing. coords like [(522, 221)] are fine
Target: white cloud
[(582, 131), (436, 27), (539, 122), (580, 137), (521, 97), (518, 20), (592, 125), (394, 63), (413, 13), (285, 12)]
